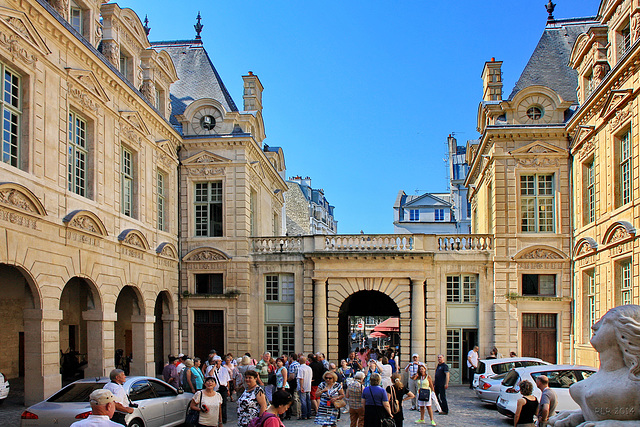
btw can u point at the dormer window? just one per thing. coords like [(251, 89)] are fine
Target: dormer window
[(624, 40), (588, 84), (126, 64), (75, 17)]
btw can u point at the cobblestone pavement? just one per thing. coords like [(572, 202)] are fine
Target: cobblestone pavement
[(464, 410)]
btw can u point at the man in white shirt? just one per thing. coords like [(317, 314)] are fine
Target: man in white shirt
[(121, 401), (305, 374), (412, 369), (102, 408), (472, 364)]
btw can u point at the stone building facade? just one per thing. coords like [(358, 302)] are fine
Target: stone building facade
[(604, 146), (307, 209)]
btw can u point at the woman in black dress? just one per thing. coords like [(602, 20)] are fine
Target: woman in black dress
[(527, 406), (400, 393)]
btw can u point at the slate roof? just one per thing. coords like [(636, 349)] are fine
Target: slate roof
[(427, 199), (548, 66), (198, 77)]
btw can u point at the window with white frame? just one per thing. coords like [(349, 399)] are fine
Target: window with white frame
[(78, 155), (280, 339), (279, 288), (589, 192), (162, 202), (536, 203), (624, 168), (414, 215), (439, 214), (623, 37), (208, 209), (624, 282), (462, 289), (589, 289), (11, 115), (126, 177)]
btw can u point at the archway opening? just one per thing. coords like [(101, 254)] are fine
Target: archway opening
[(76, 298), (127, 306), (161, 331), (357, 317)]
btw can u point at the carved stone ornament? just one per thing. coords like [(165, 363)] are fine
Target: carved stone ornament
[(587, 149), (206, 159), (111, 51), (134, 240), (619, 118), (539, 162), (635, 27), (585, 248), (148, 90), (618, 235), (538, 149), (541, 254), (130, 133), (18, 25), (168, 252), (205, 171), (16, 199), (599, 71), (207, 256), (85, 223), (62, 7), (83, 98), (13, 44)]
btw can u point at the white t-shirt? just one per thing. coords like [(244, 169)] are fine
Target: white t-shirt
[(222, 376), (211, 417), (118, 393), (474, 359), (305, 374), (96, 421)]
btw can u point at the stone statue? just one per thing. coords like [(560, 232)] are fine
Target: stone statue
[(611, 396)]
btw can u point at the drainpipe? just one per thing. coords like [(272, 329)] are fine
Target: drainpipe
[(179, 231), (572, 262)]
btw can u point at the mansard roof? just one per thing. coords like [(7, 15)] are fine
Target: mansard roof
[(197, 76), (549, 64)]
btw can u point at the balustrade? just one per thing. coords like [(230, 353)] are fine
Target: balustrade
[(465, 242), (277, 244), (366, 243)]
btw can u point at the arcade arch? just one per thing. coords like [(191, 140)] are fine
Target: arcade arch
[(130, 332), (162, 330)]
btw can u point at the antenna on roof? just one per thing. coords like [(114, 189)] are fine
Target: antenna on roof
[(147, 28), (550, 7), (198, 26)]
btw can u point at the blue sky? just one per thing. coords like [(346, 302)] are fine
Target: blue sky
[(361, 95)]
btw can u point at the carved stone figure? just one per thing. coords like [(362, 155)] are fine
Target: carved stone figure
[(111, 51), (635, 27), (148, 90), (611, 396), (599, 71)]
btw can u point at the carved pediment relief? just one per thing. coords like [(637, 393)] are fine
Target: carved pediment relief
[(134, 238), (83, 82), (134, 119), (167, 250), (583, 133), (585, 246), (540, 253), (206, 254), (618, 232), (85, 221), (205, 158), (616, 100), (16, 29), (20, 198), (538, 147)]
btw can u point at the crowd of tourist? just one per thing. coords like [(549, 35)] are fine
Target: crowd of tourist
[(367, 385)]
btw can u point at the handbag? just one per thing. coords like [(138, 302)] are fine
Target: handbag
[(341, 403), (385, 419), (424, 394), (393, 402), (193, 416)]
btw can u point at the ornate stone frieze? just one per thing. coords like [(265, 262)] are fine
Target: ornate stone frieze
[(204, 171), (206, 159), (111, 51), (207, 256), (620, 117), (541, 254), (584, 249), (134, 240), (18, 25), (16, 199), (83, 98), (586, 149), (539, 162), (13, 44), (618, 235), (85, 223), (538, 149), (130, 133)]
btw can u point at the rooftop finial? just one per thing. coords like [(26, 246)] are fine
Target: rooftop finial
[(198, 27), (147, 28), (550, 7)]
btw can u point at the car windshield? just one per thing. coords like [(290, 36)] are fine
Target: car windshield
[(511, 379), (78, 392), (558, 379)]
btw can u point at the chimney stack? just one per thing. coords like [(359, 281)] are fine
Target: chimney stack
[(252, 92), (492, 81)]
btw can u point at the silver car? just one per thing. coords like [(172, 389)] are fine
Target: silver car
[(159, 404), (492, 371)]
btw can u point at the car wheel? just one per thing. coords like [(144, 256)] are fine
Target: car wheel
[(136, 423)]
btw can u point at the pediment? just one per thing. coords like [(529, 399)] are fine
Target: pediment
[(205, 158), (85, 221), (585, 246), (538, 147), (134, 119), (580, 48), (618, 232), (134, 238), (583, 133), (167, 250), (20, 25), (540, 253), (615, 100), (87, 80), (206, 254), (427, 200), (20, 198)]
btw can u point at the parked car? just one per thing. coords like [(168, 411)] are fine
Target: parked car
[(494, 371), (490, 367), (561, 377), (4, 388), (159, 404)]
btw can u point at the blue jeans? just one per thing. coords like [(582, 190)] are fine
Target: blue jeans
[(305, 403)]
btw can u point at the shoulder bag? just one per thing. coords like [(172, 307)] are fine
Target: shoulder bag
[(424, 393), (385, 419), (193, 416), (393, 402)]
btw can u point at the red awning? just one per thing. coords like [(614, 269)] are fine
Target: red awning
[(377, 335), (392, 324)]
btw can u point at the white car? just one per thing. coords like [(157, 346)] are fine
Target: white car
[(490, 367), (4, 388), (561, 377)]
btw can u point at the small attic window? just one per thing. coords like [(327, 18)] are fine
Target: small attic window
[(535, 112)]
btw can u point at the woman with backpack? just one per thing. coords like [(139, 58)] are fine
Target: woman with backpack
[(398, 393), (280, 402)]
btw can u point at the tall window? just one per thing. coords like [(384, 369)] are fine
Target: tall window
[(161, 201), (539, 284), (279, 288), (208, 209), (624, 280), (11, 112), (414, 215), (126, 176), (439, 214), (280, 339), (589, 287), (462, 289), (624, 168), (624, 40), (212, 283), (536, 203), (589, 192), (78, 155), (75, 17)]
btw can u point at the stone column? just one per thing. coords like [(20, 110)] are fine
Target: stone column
[(168, 323), (97, 348), (417, 318), (142, 345), (320, 313), (41, 354)]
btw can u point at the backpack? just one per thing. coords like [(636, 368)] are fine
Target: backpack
[(259, 421)]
